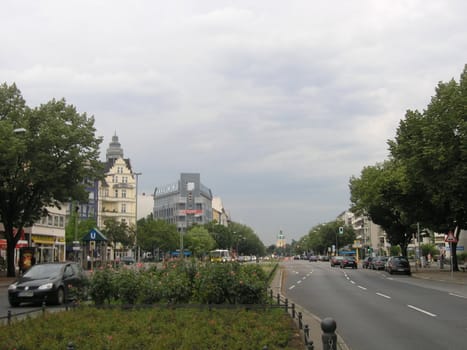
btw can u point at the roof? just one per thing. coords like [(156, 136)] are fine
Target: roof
[(94, 235)]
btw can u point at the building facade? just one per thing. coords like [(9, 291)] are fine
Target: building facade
[(184, 203), (116, 194), (46, 236), (219, 214)]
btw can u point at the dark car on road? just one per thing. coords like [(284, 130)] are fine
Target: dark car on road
[(52, 283), (348, 262), (336, 260), (313, 258), (378, 263), (398, 264)]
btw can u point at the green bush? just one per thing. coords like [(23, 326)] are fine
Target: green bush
[(182, 282), (127, 286), (215, 283), (176, 283), (101, 288), (252, 285)]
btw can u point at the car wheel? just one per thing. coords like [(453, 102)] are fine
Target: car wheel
[(60, 296)]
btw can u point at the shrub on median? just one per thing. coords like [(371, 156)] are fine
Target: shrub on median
[(181, 282)]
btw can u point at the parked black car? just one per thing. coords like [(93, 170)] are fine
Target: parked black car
[(398, 264), (52, 283), (348, 262)]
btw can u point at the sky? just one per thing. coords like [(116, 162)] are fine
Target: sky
[(277, 104)]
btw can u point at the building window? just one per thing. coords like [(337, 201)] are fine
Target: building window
[(49, 220), (56, 220), (123, 208), (106, 192), (62, 221), (116, 193), (119, 170), (123, 193), (125, 179)]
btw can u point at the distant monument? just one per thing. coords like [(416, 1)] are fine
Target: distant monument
[(280, 240)]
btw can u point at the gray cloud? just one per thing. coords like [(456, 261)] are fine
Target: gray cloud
[(275, 104)]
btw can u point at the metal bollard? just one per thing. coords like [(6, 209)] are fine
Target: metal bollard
[(9, 317), (286, 305), (308, 342), (293, 310), (300, 320), (329, 337)]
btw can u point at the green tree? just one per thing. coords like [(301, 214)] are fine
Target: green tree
[(199, 241), (432, 145), (383, 194), (157, 234), (46, 154), (117, 232)]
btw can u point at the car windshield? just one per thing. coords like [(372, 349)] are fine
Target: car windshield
[(43, 271)]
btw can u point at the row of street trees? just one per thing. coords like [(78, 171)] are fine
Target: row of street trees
[(321, 238), (423, 180), (159, 235)]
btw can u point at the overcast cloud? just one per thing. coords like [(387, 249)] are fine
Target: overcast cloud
[(275, 103)]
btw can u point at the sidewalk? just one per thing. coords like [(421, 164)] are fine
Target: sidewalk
[(441, 275)]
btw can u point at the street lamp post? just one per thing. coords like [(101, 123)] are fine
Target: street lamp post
[(136, 216)]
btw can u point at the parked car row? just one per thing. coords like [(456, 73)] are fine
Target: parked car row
[(393, 264)]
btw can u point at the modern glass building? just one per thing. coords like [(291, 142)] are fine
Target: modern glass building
[(183, 203)]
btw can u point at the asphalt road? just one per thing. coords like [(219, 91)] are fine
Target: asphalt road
[(375, 310)]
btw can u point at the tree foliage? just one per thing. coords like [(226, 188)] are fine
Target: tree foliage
[(199, 241), (157, 234), (46, 154), (432, 145)]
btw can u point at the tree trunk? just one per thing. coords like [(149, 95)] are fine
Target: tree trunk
[(10, 258)]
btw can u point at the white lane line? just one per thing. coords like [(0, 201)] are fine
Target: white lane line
[(383, 295), (298, 282), (421, 310), (304, 278), (291, 287), (458, 295), (353, 282), (361, 287)]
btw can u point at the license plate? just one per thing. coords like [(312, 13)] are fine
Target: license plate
[(401, 270), (27, 293)]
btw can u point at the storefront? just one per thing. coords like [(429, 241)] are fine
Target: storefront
[(48, 248)]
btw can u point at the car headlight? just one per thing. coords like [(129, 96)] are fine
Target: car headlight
[(46, 286), (12, 286)]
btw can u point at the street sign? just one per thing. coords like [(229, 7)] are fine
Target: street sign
[(450, 238)]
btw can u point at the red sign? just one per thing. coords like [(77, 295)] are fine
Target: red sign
[(450, 238), (191, 211), (20, 244)]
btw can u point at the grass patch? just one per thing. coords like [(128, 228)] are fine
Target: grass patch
[(154, 328)]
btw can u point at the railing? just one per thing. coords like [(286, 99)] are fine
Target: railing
[(328, 325), (39, 310)]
